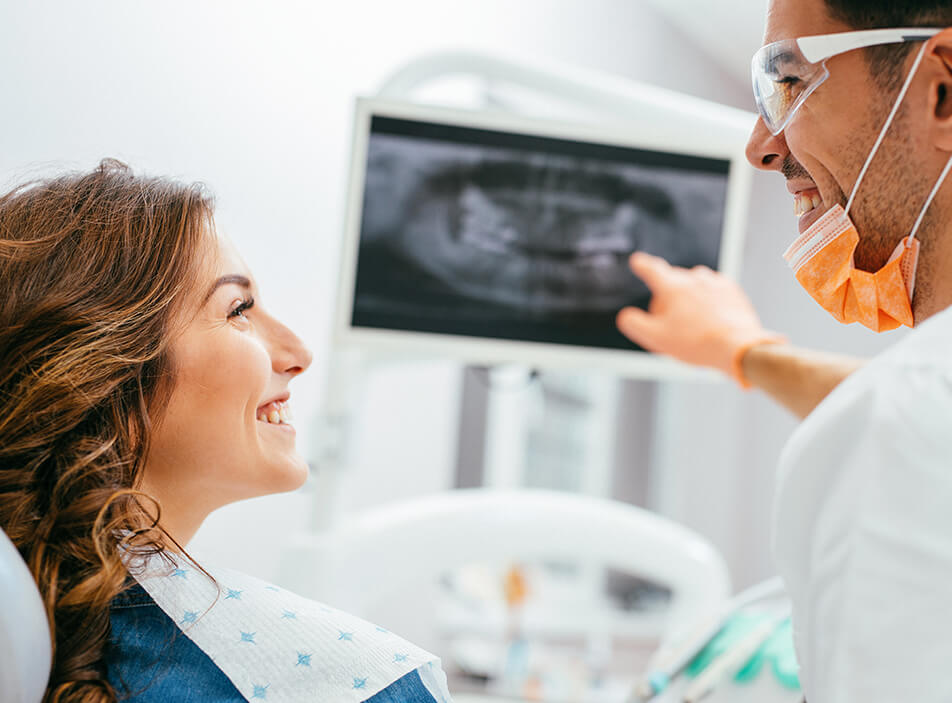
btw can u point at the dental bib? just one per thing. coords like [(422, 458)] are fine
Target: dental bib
[(277, 646)]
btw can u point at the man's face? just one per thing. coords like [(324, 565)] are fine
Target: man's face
[(822, 150)]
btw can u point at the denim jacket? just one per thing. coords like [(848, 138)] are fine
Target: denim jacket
[(150, 660)]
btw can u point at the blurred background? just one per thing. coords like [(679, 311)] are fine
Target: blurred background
[(256, 100)]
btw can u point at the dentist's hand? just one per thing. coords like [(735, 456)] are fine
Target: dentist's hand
[(696, 315)]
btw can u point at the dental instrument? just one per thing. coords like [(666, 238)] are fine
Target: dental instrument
[(733, 659), (670, 661)]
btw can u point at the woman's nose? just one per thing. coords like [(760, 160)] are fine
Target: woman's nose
[(288, 353)]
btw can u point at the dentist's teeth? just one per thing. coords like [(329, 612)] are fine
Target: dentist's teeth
[(262, 418), (274, 417), (803, 204), (284, 414)]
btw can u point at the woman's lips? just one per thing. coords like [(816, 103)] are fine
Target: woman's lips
[(276, 416), (275, 413)]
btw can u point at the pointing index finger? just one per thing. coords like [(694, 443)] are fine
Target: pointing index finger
[(653, 270)]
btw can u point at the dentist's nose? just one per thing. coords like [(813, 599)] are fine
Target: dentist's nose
[(764, 150)]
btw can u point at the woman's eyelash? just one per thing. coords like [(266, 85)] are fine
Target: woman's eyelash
[(244, 305)]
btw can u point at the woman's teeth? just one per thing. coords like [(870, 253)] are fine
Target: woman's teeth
[(275, 413), (805, 202)]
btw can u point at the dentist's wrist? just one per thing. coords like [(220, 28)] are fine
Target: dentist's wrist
[(741, 350)]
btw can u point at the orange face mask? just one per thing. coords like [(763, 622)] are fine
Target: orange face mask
[(822, 258)]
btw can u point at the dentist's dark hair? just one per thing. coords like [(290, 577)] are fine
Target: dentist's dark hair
[(94, 270), (886, 62)]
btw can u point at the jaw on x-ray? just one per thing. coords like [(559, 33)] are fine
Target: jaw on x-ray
[(530, 244)]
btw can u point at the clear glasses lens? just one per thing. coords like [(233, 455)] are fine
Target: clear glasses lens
[(782, 80)]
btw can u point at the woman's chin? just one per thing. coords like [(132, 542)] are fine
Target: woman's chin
[(282, 476), (294, 474)]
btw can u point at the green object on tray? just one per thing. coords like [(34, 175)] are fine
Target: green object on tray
[(777, 650)]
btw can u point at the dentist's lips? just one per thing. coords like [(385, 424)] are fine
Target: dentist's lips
[(808, 206)]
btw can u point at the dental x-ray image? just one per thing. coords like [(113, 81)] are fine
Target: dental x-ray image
[(495, 234)]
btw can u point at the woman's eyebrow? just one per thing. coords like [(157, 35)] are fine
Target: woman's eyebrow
[(236, 278)]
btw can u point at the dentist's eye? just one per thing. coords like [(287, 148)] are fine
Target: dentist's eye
[(243, 305)]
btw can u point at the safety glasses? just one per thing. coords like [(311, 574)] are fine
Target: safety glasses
[(785, 73)]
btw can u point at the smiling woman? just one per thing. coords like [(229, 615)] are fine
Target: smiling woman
[(142, 386)]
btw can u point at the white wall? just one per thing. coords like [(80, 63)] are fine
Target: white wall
[(255, 99)]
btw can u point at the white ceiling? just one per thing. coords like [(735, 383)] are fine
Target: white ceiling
[(730, 31)]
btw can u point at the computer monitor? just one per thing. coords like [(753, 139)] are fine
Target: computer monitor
[(492, 238)]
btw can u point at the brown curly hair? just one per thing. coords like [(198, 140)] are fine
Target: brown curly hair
[(94, 269)]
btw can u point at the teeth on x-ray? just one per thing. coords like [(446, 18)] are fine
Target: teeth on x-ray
[(472, 238)]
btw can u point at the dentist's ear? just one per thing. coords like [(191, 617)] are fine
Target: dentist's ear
[(940, 91)]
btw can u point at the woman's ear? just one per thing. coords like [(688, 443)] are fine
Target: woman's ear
[(941, 90)]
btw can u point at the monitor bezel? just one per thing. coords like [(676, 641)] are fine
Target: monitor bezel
[(635, 363)]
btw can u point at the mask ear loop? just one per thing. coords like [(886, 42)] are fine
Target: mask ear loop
[(882, 132), (908, 276), (935, 189)]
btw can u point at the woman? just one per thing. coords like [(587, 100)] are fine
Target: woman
[(142, 386)]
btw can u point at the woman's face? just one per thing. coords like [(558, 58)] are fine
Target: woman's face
[(225, 434)]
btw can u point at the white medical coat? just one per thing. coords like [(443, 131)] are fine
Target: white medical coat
[(863, 529)]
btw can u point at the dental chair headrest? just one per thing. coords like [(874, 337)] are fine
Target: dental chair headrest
[(25, 650)]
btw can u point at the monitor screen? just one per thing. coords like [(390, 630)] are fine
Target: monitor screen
[(492, 234)]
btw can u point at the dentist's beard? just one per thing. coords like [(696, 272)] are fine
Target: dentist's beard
[(881, 222), (791, 168)]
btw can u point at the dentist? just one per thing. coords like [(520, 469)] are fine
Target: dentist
[(855, 99)]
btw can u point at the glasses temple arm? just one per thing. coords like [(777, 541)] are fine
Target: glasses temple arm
[(820, 47)]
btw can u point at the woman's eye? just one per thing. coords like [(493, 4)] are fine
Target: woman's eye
[(242, 306)]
